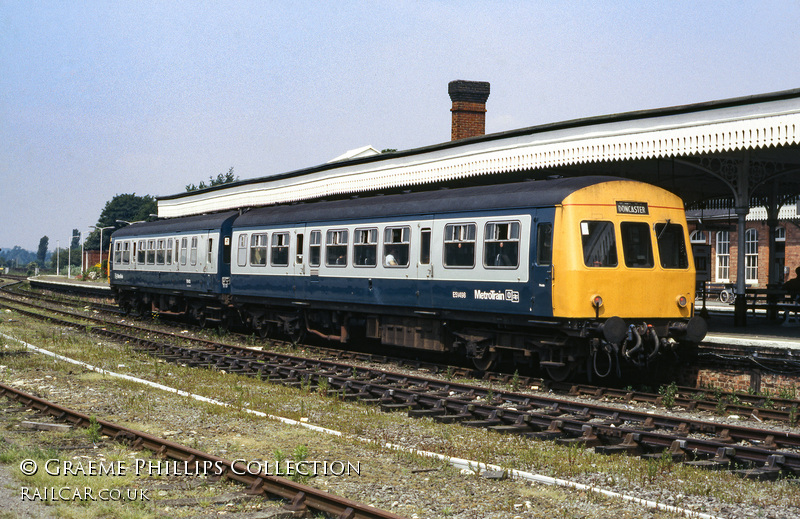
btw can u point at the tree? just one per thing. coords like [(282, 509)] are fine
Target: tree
[(225, 178), (41, 254), (121, 208)]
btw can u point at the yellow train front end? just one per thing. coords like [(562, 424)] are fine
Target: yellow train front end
[(622, 262)]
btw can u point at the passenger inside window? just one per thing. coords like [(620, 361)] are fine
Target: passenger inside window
[(501, 245), (396, 242), (459, 245)]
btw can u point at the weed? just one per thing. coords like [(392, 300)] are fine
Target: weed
[(93, 431), (668, 394)]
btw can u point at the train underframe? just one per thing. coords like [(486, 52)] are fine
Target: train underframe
[(563, 348)]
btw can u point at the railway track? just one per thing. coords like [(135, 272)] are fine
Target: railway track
[(752, 452), (300, 497)]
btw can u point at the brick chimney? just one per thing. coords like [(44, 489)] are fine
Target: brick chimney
[(469, 108)]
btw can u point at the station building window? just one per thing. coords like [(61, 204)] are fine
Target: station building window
[(258, 249), (280, 249), (698, 238), (501, 245), (396, 246), (459, 245), (751, 256), (637, 246), (336, 248), (599, 244), (723, 254)]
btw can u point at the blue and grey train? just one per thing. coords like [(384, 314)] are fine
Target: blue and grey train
[(588, 274)]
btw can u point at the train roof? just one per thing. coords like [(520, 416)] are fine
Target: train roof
[(204, 222), (538, 193)]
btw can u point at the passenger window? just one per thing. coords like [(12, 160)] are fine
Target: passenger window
[(501, 245), (210, 254), (241, 251), (671, 246), (544, 244), (140, 256), (117, 253), (314, 247), (151, 252), (459, 245), (184, 248), (160, 252), (365, 247), (599, 244), (336, 248), (425, 247), (637, 248), (169, 252), (193, 251), (126, 253), (396, 244), (280, 249), (258, 250)]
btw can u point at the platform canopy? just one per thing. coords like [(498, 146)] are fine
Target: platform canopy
[(728, 151)]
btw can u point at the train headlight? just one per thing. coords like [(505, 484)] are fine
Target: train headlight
[(597, 301), (682, 301)]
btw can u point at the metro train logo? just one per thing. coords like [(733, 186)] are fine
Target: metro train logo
[(512, 296)]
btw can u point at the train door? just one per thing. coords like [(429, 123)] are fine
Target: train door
[(300, 257), (224, 273), (542, 263), (425, 265)]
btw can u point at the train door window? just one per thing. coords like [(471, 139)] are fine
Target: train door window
[(599, 244), (280, 249), (151, 252), (501, 245), (160, 251), (459, 245), (544, 244), (193, 251), (396, 245), (637, 246), (226, 250), (184, 250), (299, 249), (425, 247), (258, 250), (336, 248), (210, 255), (314, 248), (241, 251), (169, 252), (365, 247), (671, 246)]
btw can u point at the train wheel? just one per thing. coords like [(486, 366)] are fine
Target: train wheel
[(262, 328), (486, 361), (559, 373)]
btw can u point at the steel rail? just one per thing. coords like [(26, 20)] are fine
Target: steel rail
[(301, 496)]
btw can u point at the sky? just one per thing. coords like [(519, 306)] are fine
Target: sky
[(102, 98)]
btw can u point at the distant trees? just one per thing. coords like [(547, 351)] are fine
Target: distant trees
[(225, 178), (121, 208), (41, 253)]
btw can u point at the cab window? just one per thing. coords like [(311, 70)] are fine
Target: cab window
[(501, 245), (637, 248), (544, 244), (671, 246), (599, 244)]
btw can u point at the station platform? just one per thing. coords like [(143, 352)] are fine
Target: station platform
[(758, 333)]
